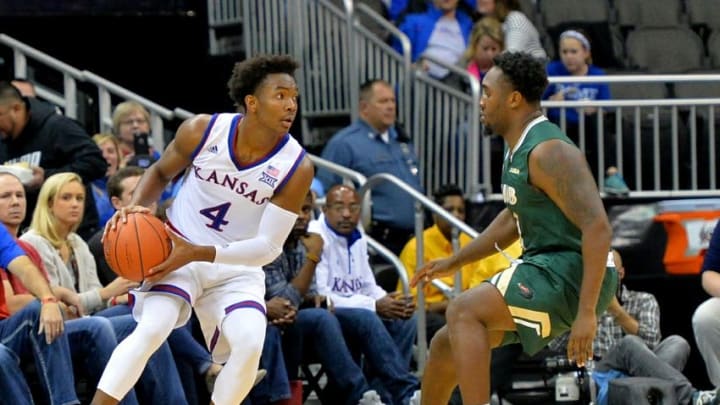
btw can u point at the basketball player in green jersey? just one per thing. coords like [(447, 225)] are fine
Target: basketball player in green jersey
[(552, 203)]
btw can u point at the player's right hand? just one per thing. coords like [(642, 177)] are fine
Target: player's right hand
[(121, 215), (432, 270)]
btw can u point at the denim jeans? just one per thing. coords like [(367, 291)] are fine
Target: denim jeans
[(403, 332), (160, 382), (633, 357), (13, 386), (19, 333), (363, 330), (92, 341), (321, 334)]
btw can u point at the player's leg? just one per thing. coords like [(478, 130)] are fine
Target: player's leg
[(244, 330), (159, 317), (460, 352)]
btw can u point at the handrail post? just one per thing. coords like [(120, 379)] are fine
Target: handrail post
[(420, 309)]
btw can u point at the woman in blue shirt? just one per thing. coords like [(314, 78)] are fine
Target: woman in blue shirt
[(576, 60)]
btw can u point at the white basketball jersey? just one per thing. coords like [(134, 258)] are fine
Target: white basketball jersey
[(222, 201)]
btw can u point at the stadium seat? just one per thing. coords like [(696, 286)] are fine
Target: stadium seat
[(633, 14), (713, 46), (703, 12), (556, 12), (593, 17), (665, 50)]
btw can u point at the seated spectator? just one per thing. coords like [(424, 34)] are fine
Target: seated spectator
[(628, 343), (110, 148), (441, 32), (120, 187), (49, 143), (437, 243), (519, 32), (706, 320), (371, 145), (69, 263), (91, 339), (379, 324), (300, 322), (35, 331), (130, 120), (486, 41), (576, 60)]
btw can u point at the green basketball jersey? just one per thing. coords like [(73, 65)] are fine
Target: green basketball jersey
[(542, 225)]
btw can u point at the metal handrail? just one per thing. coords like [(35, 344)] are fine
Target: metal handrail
[(421, 202), (40, 56), (660, 102), (636, 78)]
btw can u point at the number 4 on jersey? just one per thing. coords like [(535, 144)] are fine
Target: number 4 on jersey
[(217, 215)]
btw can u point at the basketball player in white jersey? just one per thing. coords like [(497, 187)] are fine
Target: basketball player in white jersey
[(246, 182)]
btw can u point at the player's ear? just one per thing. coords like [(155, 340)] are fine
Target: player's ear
[(250, 102), (116, 203), (515, 98)]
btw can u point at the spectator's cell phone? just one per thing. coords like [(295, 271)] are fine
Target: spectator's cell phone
[(140, 143)]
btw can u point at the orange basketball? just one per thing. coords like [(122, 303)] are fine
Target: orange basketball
[(134, 247)]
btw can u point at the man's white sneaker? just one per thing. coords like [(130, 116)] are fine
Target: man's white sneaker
[(370, 397)]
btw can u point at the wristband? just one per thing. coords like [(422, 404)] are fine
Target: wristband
[(49, 300), (312, 257)]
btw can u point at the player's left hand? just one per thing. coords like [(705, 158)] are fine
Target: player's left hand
[(582, 333), (182, 253)]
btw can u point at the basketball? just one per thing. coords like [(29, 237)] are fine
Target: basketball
[(134, 247)]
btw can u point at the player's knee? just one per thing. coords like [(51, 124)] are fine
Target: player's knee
[(460, 309), (441, 341)]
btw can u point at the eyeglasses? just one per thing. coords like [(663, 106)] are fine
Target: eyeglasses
[(340, 208), (131, 121)]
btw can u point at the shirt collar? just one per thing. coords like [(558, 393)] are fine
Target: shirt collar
[(352, 238)]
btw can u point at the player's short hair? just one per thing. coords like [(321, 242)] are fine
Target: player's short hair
[(447, 190), (114, 184), (525, 73), (249, 74)]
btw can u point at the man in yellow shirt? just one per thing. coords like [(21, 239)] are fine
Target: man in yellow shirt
[(437, 243)]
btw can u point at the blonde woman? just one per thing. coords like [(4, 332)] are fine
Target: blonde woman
[(110, 147), (486, 41), (65, 254)]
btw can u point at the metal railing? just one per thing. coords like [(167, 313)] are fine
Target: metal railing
[(664, 147), (421, 204), (67, 97)]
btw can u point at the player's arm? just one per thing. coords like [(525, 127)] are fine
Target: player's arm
[(560, 170), (176, 157), (502, 231), (275, 225)]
